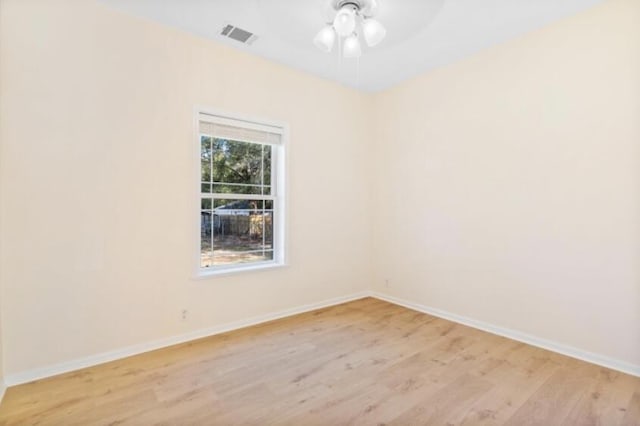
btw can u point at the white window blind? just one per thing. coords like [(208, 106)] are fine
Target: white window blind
[(219, 127)]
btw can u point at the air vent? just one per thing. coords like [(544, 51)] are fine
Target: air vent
[(238, 34)]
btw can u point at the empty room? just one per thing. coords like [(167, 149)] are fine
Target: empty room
[(320, 212)]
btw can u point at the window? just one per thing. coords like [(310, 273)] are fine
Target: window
[(241, 185)]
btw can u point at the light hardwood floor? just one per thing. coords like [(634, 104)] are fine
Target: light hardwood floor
[(366, 362)]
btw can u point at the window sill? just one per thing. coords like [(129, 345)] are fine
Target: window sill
[(203, 274)]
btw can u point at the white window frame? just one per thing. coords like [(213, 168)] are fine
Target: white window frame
[(279, 191)]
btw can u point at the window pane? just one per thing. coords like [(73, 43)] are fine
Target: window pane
[(234, 206), (242, 231), (230, 258), (205, 158), (235, 188), (239, 167), (206, 253), (267, 167)]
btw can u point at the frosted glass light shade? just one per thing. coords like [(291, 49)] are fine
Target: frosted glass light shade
[(373, 31), (325, 39), (352, 47), (345, 21)]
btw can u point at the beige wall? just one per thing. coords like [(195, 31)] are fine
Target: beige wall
[(2, 382), (509, 185), (97, 151)]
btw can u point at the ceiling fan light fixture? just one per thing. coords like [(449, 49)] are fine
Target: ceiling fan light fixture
[(373, 31), (351, 18), (325, 39), (352, 47)]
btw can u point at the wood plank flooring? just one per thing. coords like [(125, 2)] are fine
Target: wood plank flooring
[(366, 362)]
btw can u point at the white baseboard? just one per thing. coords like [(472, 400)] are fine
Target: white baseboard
[(90, 361), (569, 351)]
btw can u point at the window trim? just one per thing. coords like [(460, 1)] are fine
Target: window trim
[(280, 224)]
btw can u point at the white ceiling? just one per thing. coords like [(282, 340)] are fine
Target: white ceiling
[(421, 34)]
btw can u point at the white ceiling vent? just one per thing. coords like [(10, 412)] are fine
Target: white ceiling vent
[(238, 34)]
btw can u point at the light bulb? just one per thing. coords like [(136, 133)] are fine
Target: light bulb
[(352, 47), (325, 38), (373, 31), (345, 21)]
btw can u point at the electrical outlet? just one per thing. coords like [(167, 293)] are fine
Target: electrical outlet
[(386, 282), (184, 314)]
